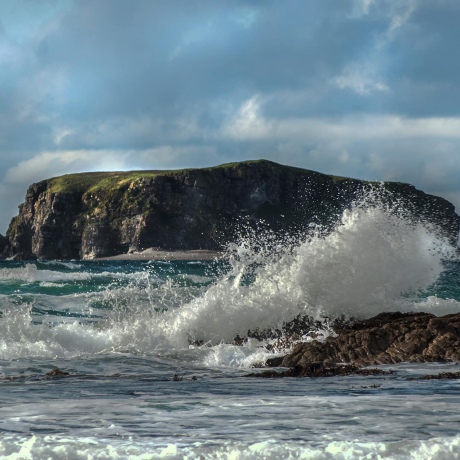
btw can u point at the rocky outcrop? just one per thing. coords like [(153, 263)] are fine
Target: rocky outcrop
[(321, 370), (105, 214), (385, 339), (3, 245)]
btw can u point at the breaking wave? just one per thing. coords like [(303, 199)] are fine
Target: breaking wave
[(374, 260)]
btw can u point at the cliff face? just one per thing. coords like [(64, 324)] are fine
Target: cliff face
[(3, 245), (103, 214)]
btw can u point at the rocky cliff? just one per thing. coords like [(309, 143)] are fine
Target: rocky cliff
[(3, 244), (103, 214), (385, 339)]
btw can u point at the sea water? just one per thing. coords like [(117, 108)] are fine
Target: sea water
[(153, 371)]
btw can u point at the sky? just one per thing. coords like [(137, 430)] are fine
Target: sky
[(361, 88)]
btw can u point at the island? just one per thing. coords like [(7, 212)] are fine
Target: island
[(114, 214)]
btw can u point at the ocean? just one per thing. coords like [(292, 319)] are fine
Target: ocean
[(151, 370)]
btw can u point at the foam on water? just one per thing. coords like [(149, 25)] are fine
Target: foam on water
[(55, 447), (30, 273), (71, 265)]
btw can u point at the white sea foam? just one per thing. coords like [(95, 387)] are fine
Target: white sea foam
[(20, 338), (432, 304), (30, 273), (71, 264), (57, 447)]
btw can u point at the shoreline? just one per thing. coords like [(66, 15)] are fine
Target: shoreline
[(171, 254)]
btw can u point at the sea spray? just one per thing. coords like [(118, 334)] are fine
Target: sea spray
[(375, 256)]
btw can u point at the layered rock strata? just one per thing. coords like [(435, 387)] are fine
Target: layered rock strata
[(385, 339), (85, 216)]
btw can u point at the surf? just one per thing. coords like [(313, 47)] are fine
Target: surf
[(375, 259)]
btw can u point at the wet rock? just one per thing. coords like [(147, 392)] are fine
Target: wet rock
[(57, 373), (289, 334), (442, 376), (318, 369), (274, 362), (239, 341), (385, 339)]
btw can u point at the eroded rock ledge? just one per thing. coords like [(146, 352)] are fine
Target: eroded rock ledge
[(387, 338)]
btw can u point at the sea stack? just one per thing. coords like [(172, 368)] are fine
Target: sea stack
[(91, 215)]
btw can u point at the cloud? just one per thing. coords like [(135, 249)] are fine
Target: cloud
[(51, 164), (364, 88), (423, 152), (249, 123), (359, 79)]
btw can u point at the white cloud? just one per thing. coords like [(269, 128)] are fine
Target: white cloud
[(362, 7), (360, 78), (49, 164), (421, 151), (366, 4), (250, 124), (400, 13)]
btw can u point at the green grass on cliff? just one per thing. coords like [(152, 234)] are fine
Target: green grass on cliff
[(82, 182), (94, 181)]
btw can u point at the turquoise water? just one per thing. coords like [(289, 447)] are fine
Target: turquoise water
[(140, 387)]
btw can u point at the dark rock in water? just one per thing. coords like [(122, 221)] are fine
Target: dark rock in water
[(83, 216), (56, 373), (442, 376), (180, 378), (239, 341), (274, 362), (177, 377), (321, 370), (289, 332), (385, 339)]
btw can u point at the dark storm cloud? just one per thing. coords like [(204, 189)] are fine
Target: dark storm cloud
[(125, 58), (353, 87)]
